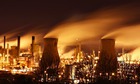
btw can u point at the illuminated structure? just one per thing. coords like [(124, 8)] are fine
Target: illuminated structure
[(107, 63), (13, 56), (81, 69), (37, 52)]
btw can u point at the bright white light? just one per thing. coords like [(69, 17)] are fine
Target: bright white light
[(76, 81)]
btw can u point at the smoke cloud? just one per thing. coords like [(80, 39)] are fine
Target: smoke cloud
[(119, 23)]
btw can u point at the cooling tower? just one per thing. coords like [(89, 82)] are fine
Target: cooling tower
[(50, 57), (107, 60)]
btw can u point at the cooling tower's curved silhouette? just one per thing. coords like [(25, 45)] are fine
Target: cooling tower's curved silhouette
[(107, 60), (50, 57)]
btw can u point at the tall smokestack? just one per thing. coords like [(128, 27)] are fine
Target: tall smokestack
[(32, 49), (33, 42), (50, 57), (18, 46), (3, 57), (107, 60), (4, 45)]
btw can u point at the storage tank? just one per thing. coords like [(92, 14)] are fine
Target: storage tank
[(69, 72)]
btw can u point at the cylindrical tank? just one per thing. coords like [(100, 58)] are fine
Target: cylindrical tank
[(107, 60), (50, 57), (69, 72)]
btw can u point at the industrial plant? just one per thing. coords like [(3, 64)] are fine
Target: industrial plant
[(47, 66), (70, 42)]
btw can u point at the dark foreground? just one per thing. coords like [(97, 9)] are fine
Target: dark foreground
[(8, 78), (27, 79)]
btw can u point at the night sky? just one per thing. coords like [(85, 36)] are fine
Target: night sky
[(16, 14), (20, 17)]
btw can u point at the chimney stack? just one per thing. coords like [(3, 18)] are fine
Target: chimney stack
[(33, 42), (18, 46), (4, 45)]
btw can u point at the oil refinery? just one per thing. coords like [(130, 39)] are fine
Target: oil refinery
[(70, 42), (49, 66), (19, 60)]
